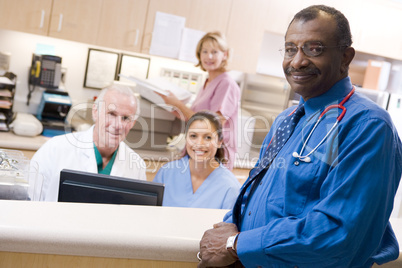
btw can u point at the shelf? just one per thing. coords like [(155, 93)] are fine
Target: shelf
[(7, 91)]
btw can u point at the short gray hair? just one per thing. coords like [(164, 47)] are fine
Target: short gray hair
[(123, 89)]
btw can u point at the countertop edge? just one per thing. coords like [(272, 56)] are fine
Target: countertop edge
[(73, 229), (114, 231)]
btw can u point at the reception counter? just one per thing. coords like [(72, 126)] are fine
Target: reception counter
[(47, 234), (52, 233)]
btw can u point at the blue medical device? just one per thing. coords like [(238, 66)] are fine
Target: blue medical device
[(52, 112)]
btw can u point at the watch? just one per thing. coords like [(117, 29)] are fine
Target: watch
[(231, 244)]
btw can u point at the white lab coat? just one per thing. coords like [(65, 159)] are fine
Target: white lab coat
[(75, 151)]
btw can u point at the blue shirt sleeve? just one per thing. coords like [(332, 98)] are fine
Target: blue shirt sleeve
[(350, 213)]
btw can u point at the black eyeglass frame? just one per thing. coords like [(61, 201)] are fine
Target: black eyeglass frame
[(307, 49)]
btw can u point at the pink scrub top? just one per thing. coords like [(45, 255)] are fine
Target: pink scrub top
[(222, 95)]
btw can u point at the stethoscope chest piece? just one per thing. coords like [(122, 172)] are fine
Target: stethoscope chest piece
[(296, 163)]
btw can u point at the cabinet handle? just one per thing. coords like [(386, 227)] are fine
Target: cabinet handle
[(60, 22), (42, 19), (137, 33)]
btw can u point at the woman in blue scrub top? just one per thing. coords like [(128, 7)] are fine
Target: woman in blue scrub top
[(199, 179)]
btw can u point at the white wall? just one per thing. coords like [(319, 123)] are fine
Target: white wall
[(74, 58)]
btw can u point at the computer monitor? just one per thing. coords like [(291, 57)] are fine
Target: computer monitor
[(86, 187)]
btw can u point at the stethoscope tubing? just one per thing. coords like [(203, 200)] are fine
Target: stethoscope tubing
[(306, 158)]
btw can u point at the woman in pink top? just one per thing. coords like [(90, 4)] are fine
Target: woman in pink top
[(220, 93)]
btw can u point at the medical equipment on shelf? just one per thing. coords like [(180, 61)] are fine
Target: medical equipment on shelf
[(306, 158), (14, 182), (52, 112), (26, 125), (17, 180)]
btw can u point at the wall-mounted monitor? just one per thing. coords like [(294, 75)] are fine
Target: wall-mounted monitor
[(86, 187)]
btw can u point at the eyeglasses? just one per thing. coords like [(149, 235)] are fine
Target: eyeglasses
[(310, 49)]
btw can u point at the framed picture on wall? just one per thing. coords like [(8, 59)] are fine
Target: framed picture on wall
[(101, 69), (133, 66)]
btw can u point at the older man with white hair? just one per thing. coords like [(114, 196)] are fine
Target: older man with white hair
[(100, 149)]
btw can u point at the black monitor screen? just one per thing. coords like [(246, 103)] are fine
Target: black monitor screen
[(85, 187)]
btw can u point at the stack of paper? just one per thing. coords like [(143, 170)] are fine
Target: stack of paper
[(150, 88), (5, 93), (5, 104), (5, 81)]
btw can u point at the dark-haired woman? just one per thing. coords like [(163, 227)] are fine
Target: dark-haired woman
[(199, 179)]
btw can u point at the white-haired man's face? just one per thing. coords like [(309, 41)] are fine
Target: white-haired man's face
[(114, 117)]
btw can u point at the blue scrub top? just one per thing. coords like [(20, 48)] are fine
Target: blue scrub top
[(219, 190)]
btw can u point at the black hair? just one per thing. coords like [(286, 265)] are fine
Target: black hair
[(215, 120), (343, 33)]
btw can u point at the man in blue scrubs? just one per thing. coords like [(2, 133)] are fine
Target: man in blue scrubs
[(332, 208)]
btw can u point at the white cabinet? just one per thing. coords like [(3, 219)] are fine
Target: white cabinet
[(203, 15), (379, 24)]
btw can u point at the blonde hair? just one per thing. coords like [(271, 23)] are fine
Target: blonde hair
[(218, 39)]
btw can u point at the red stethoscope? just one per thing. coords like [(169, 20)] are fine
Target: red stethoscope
[(306, 158)]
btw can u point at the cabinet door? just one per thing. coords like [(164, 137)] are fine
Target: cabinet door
[(76, 20), (378, 29), (31, 16), (203, 15), (279, 15), (122, 24), (245, 33)]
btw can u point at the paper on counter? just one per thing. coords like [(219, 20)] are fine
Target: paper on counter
[(5, 104), (144, 83), (5, 81), (3, 126), (5, 93), (147, 89)]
